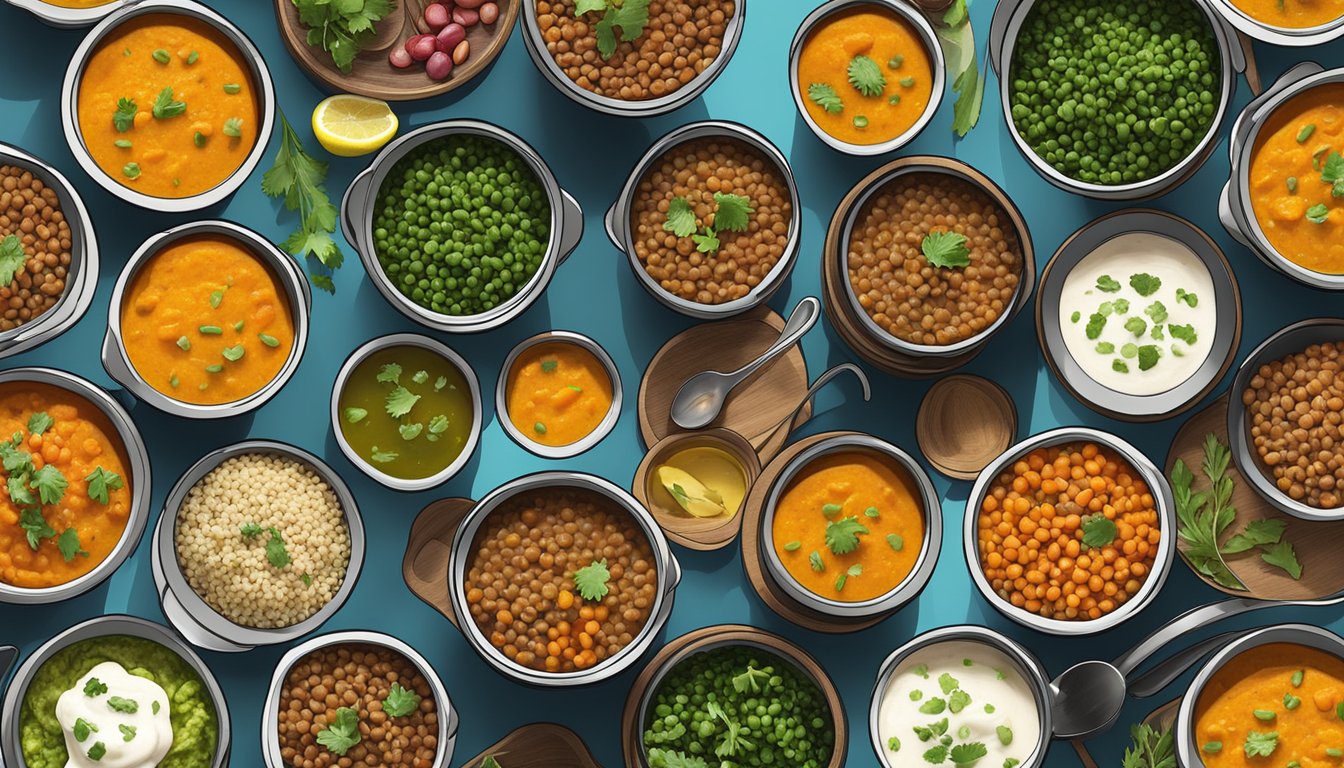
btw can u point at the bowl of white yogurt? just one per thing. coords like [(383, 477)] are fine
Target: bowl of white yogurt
[(1139, 315), (960, 694)]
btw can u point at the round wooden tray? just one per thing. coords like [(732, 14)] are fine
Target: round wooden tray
[(694, 532), (844, 317), (539, 745), (1317, 543), (371, 75), (765, 587), (632, 729), (755, 407), (964, 423)]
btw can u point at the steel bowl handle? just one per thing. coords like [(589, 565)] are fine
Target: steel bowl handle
[(615, 226), (673, 569), (571, 225), (112, 361), (998, 32), (1230, 219), (191, 631), (1241, 129), (355, 205)]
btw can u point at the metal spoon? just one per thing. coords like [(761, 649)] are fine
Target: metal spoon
[(700, 399), (822, 380)]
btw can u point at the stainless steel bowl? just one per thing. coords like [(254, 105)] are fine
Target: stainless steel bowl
[(270, 713), (140, 482), (104, 626), (1226, 332), (362, 197), (1187, 748), (1282, 343), (959, 170), (190, 615), (68, 18), (82, 275), (1234, 206), (127, 10), (1166, 548), (1286, 36), (407, 340), (545, 63), (603, 427), (1023, 661), (910, 587), (618, 219), (1009, 16), (290, 279), (912, 16), (669, 573)]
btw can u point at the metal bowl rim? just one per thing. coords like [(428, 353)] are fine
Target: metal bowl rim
[(589, 440)]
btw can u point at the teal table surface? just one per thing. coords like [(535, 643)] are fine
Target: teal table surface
[(595, 293)]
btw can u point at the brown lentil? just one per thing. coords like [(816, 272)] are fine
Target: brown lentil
[(1295, 407), (520, 583), (357, 676), (696, 170), (682, 38), (904, 294), (32, 211)]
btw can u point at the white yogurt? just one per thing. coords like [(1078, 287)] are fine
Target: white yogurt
[(1116, 357), (112, 735), (995, 708)]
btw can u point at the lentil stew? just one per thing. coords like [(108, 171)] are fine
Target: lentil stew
[(32, 221)]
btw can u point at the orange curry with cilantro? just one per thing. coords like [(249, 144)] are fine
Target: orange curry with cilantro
[(558, 393)]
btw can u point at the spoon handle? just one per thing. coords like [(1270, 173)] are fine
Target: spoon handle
[(822, 380), (800, 321), (1152, 682)]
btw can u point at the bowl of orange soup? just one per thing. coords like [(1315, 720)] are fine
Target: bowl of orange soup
[(851, 528), (68, 14), (77, 485), (167, 105), (559, 394), (1283, 199), (1272, 697), (207, 320), (1285, 22), (898, 74)]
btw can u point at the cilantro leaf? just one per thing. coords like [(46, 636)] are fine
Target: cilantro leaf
[(69, 545), (165, 106), (355, 415), (948, 683), (1317, 214), (420, 377), (1282, 555), (1108, 284), (814, 560), (707, 242), (276, 554), (382, 457), (1136, 326), (35, 526), (390, 373), (410, 431), (680, 218), (250, 530), (958, 701), (400, 701), (123, 119), (1144, 283), (842, 536), (94, 687), (1187, 297), (438, 425), (1149, 354), (82, 728), (591, 580), (119, 704), (298, 178), (1095, 324), (1332, 173), (967, 754), (50, 484), (1098, 531), (1256, 533), (1260, 743), (342, 733), (39, 422), (866, 76), (631, 16), (824, 96), (1157, 312), (946, 249), (400, 401), (936, 755), (1185, 333), (732, 213), (12, 258)]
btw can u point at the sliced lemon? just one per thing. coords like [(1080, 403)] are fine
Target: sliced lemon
[(349, 126)]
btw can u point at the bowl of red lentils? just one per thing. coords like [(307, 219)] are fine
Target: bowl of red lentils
[(1284, 419), (357, 700), (639, 70), (561, 579), (710, 220), (1070, 532), (935, 257)]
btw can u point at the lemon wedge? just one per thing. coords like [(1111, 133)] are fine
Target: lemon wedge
[(350, 126), (690, 494)]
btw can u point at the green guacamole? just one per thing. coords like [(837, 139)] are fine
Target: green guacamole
[(195, 726)]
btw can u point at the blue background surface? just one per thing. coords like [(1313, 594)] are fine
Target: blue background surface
[(595, 293)]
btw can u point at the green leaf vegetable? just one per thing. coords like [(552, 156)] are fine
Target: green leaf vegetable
[(591, 580), (866, 76), (298, 178), (957, 39), (732, 213), (630, 15), (341, 733), (842, 536), (342, 28), (1150, 748), (400, 701), (824, 96), (165, 106)]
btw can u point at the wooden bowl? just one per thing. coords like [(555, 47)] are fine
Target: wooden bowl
[(372, 75), (963, 423), (538, 745), (707, 638), (682, 528)]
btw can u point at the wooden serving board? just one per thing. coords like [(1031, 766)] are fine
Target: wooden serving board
[(761, 582), (1317, 543), (371, 75), (963, 424), (539, 745), (429, 548), (632, 730), (755, 407), (702, 534)]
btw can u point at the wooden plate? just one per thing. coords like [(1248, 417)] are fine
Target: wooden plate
[(765, 587), (1162, 717), (695, 532), (539, 745), (964, 423), (632, 729), (372, 75), (424, 567), (1317, 543), (755, 407)]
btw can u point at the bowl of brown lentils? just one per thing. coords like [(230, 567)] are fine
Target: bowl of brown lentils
[(665, 57), (935, 257), (709, 219), (1285, 419), (357, 700), (44, 222)]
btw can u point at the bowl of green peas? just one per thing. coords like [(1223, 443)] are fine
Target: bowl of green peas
[(460, 225), (737, 695), (1121, 100)]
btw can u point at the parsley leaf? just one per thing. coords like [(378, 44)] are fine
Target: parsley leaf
[(39, 422), (842, 536), (12, 258), (400, 401), (69, 545), (967, 754), (591, 580), (342, 733), (824, 96), (1144, 283), (958, 701), (124, 118), (1108, 284), (948, 683), (1203, 516), (400, 701), (936, 755), (1332, 173), (35, 526), (1260, 743), (298, 178), (165, 106), (731, 213), (1187, 297), (1098, 531), (438, 425), (631, 16), (50, 484), (276, 554), (119, 704), (1136, 326), (390, 373), (946, 249), (341, 28), (250, 530), (1282, 555), (866, 76), (680, 218)]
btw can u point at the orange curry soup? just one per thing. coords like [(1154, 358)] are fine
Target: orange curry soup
[(79, 440), (848, 489), (204, 321), (77, 3), (1292, 14), (558, 393), (1260, 692), (1286, 184), (159, 103)]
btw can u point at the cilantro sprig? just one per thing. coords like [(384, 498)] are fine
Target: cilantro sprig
[(343, 28), (591, 580), (298, 178), (631, 16), (12, 258), (341, 733), (732, 213), (946, 250)]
